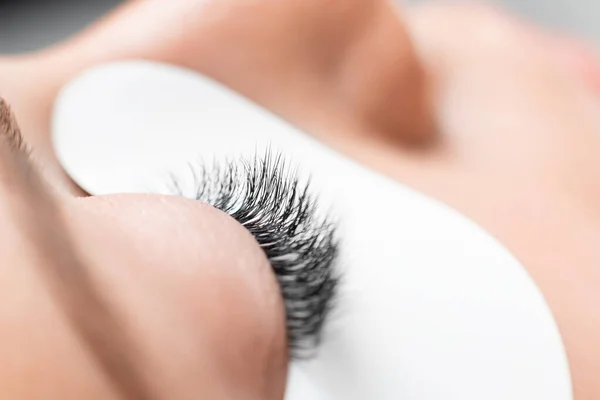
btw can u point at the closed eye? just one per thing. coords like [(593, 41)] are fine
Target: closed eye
[(266, 197)]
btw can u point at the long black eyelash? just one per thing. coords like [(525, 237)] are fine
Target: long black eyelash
[(266, 197)]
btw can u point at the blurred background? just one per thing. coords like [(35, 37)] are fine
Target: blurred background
[(26, 25)]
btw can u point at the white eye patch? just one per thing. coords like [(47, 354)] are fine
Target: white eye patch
[(430, 306)]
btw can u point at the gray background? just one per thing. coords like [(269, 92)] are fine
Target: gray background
[(26, 25)]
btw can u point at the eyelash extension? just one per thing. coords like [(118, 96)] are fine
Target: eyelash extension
[(266, 196)]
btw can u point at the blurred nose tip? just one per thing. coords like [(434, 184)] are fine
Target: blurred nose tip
[(583, 60)]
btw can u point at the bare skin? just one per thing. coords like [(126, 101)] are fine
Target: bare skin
[(461, 102)]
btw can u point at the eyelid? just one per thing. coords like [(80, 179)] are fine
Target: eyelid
[(266, 195)]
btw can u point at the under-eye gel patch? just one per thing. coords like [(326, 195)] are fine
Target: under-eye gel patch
[(428, 306)]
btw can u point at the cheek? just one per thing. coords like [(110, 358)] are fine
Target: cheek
[(196, 294)]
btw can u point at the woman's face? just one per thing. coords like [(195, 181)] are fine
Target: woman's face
[(495, 120)]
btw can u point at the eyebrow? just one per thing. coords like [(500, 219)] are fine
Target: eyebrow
[(68, 278), (9, 129)]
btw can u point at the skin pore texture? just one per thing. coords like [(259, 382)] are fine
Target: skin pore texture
[(461, 102)]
